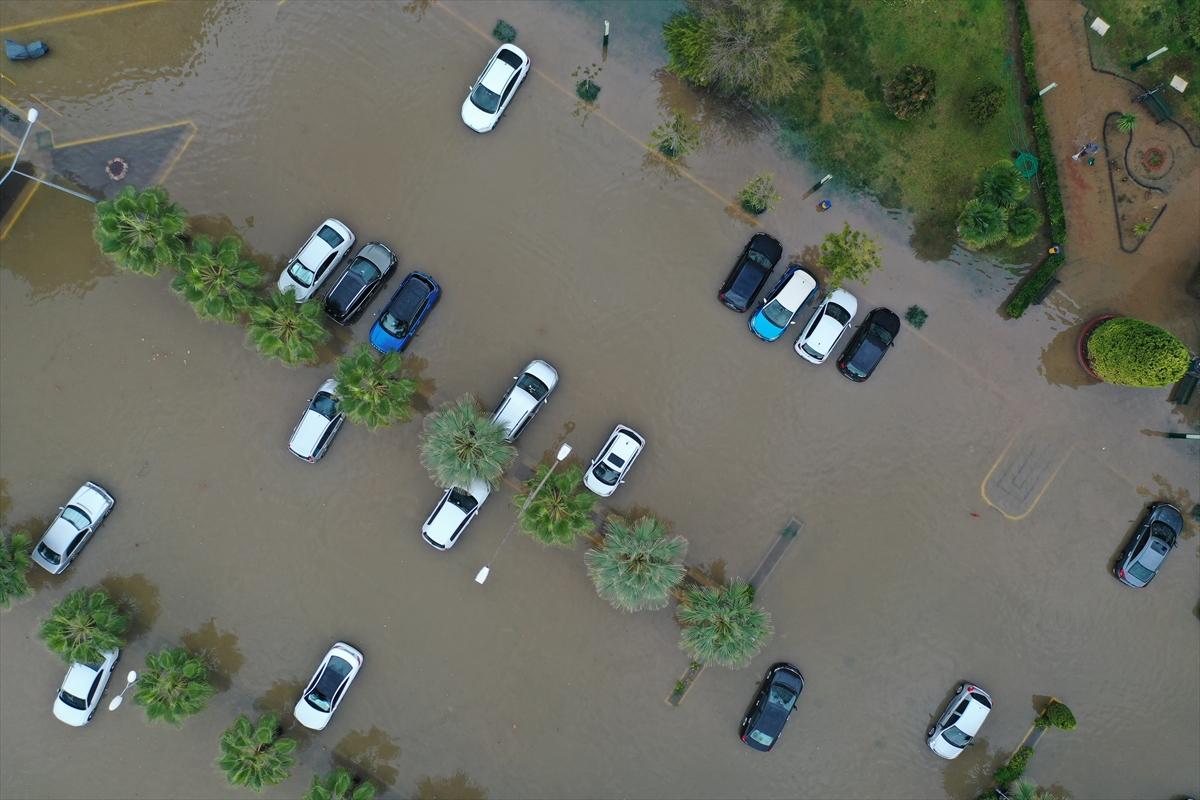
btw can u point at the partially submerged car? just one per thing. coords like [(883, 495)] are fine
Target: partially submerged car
[(956, 728), (1149, 546), (493, 91), (827, 325), (530, 392), (772, 707), (781, 305), (608, 469), (453, 513), (869, 345), (75, 524), (328, 686), (404, 313), (319, 424), (750, 273), (369, 270), (317, 259), (80, 693)]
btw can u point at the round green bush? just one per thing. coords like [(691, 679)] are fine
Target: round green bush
[(1061, 717), (1129, 352), (985, 103)]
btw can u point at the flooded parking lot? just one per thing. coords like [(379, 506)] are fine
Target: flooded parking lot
[(961, 509)]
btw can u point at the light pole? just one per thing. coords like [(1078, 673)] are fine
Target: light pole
[(32, 116), (130, 680), (1142, 61), (563, 452)]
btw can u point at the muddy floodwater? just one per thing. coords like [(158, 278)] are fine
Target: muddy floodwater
[(960, 510)]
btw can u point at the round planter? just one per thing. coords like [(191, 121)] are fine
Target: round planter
[(1081, 347)]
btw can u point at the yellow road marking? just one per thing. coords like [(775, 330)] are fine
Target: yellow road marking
[(163, 177), (47, 105), (1050, 480), (10, 80), (127, 133), (20, 209), (77, 15)]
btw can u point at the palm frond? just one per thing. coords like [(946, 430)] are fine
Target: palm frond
[(723, 626), (83, 625), (371, 392), (637, 567), (460, 444), (561, 511)]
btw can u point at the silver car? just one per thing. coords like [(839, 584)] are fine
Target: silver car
[(317, 259), (80, 693), (319, 425), (956, 728), (72, 528), (526, 396)]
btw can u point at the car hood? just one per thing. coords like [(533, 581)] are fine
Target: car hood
[(308, 433), (943, 748), (310, 717), (475, 117), (760, 325)]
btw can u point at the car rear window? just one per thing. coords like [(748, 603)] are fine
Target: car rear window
[(537, 390), (331, 237), (838, 313), (510, 58), (760, 259), (762, 738), (48, 554), (1140, 572)]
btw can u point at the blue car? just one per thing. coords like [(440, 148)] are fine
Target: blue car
[(404, 313), (781, 305)]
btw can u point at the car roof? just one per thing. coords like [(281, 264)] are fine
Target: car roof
[(516, 405), (308, 432), (59, 535), (497, 75), (409, 297), (450, 516), (972, 718), (800, 285), (625, 445), (827, 332), (79, 679)]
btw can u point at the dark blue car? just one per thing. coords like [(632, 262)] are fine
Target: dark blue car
[(404, 313)]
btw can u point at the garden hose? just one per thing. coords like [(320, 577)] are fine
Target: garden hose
[(1025, 162)]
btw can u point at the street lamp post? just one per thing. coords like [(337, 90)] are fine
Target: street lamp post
[(32, 117), (563, 452), (1143, 61), (130, 680)]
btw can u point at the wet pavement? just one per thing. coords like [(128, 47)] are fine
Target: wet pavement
[(961, 509)]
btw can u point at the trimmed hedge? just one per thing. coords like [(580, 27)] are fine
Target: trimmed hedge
[(1129, 352), (1015, 767), (1060, 717)]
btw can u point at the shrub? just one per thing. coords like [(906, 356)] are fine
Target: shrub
[(916, 316), (1001, 185), (1141, 229), (1042, 722), (985, 102), (1129, 352), (504, 32), (1023, 224), (982, 224), (911, 92), (677, 136), (587, 89), (1126, 123), (1060, 717), (759, 193), (1015, 767)]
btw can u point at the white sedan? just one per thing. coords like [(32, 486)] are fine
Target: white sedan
[(82, 689), (526, 396), (452, 514), (317, 260), (328, 686), (827, 325), (608, 469), (72, 528), (494, 89)]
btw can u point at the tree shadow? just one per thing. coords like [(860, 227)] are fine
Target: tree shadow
[(661, 169), (738, 214), (1039, 702), (1060, 360), (281, 699), (636, 512), (550, 452), (1180, 498), (727, 120), (413, 369), (458, 786), (137, 597), (219, 652), (715, 569), (371, 753), (417, 7), (218, 226), (583, 111)]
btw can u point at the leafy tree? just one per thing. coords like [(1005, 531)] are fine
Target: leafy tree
[(1129, 352), (723, 626), (216, 280), (562, 509), (339, 784), (677, 136), (15, 563), (982, 224), (174, 686), (910, 92), (638, 565), (371, 392), (759, 193), (460, 444), (141, 231), (256, 756), (83, 625), (1023, 224), (1001, 185), (280, 328), (1126, 122), (985, 102), (849, 255)]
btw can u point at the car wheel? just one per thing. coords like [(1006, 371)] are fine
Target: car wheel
[(961, 686), (932, 728)]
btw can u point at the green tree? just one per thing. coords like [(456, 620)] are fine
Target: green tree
[(15, 563), (759, 193), (982, 224), (1129, 352), (677, 136), (1023, 224), (83, 625), (280, 328), (371, 392), (255, 756), (339, 784), (216, 280), (723, 626), (849, 255), (638, 565), (1060, 716), (460, 445), (141, 231), (1126, 123), (562, 509), (1001, 185), (174, 686)]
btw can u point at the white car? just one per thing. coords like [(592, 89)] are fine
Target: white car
[(72, 528), (318, 426), (452, 514), (956, 728), (82, 689), (328, 686), (317, 260), (526, 396), (608, 469), (494, 89), (827, 325)]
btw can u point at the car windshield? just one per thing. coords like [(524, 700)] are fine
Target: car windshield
[(1138, 571), (321, 697), (485, 99), (302, 274), (463, 500), (782, 696), (760, 259), (837, 312), (71, 700), (762, 738), (325, 405), (48, 554), (76, 517), (330, 236), (777, 315), (883, 335), (956, 737), (364, 270), (606, 474), (1161, 530), (537, 390), (811, 351), (396, 327)]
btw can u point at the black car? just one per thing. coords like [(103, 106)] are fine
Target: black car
[(369, 270), (1159, 531), (751, 271), (869, 345), (772, 706)]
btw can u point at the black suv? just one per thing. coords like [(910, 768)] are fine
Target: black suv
[(869, 345), (751, 271), (772, 706)]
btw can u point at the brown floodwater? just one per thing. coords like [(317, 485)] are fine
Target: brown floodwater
[(960, 509)]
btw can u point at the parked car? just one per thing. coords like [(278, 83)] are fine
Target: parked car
[(404, 313), (319, 425), (80, 693), (316, 260), (751, 271), (328, 686), (1142, 558), (608, 469), (493, 91), (772, 706), (530, 392), (827, 325), (453, 513), (956, 727), (781, 305), (368, 271), (72, 528), (869, 345)]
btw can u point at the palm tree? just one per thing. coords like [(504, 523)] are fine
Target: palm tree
[(1023, 224), (15, 564), (141, 231), (255, 756), (723, 626), (339, 784), (216, 280), (371, 392), (1025, 789), (1141, 229), (561, 511), (281, 329), (174, 686), (637, 567), (1001, 185), (460, 445), (677, 136), (83, 625), (982, 224)]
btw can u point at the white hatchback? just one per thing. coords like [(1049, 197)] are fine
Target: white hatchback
[(608, 469), (494, 89), (81, 690), (72, 528), (452, 514), (827, 325), (316, 260), (526, 396), (328, 686), (956, 728), (319, 425)]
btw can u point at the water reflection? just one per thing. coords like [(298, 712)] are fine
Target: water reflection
[(970, 775), (458, 786), (583, 111), (1060, 360), (137, 597), (661, 169), (281, 699), (413, 369), (218, 650), (728, 121), (417, 7), (372, 753)]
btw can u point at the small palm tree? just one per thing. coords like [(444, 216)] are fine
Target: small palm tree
[(339, 784), (1023, 224), (1001, 185), (15, 564), (638, 565), (174, 686), (371, 392), (677, 136), (759, 193), (723, 626), (982, 224), (83, 625), (460, 445), (216, 280), (1141, 229), (1126, 122), (562, 509), (141, 231), (1025, 789), (281, 329), (255, 756)]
